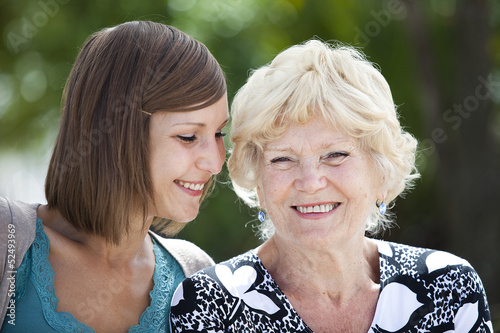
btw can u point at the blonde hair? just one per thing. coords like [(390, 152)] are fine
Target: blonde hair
[(336, 82)]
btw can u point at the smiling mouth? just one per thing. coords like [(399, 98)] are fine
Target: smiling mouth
[(190, 186), (316, 209)]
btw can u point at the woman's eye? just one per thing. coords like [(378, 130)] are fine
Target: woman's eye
[(189, 138), (337, 154), (336, 157), (280, 159), (219, 135)]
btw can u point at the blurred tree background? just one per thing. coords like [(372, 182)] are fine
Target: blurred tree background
[(441, 58)]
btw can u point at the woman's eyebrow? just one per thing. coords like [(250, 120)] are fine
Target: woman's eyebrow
[(224, 123), (279, 149), (323, 146), (190, 123)]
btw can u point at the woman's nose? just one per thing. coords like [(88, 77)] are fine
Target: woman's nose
[(212, 156), (310, 178)]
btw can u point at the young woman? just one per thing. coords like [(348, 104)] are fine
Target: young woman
[(139, 145)]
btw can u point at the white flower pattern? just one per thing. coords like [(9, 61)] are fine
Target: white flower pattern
[(421, 290), (239, 284)]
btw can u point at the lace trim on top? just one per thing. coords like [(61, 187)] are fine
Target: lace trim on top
[(167, 275)]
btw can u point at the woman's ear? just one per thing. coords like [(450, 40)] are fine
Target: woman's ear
[(382, 186), (260, 197), (382, 196)]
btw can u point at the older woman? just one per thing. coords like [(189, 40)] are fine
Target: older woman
[(139, 145), (318, 147)]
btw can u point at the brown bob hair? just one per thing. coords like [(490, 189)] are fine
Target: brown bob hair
[(98, 176)]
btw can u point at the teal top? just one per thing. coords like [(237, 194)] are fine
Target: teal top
[(36, 301)]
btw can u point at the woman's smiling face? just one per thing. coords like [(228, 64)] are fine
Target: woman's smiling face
[(317, 185), (186, 149)]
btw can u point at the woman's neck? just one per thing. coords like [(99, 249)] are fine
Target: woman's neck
[(133, 246), (339, 271)]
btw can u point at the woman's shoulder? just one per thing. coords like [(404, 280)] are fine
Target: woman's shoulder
[(423, 268), (17, 212), (228, 274), (417, 260), (190, 257), (17, 224), (17, 232), (216, 290), (432, 284)]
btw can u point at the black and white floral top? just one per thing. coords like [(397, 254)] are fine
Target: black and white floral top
[(421, 290)]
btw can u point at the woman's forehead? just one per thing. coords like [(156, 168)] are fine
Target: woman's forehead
[(316, 133)]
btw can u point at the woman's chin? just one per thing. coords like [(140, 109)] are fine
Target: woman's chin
[(184, 220), (186, 217), (177, 215)]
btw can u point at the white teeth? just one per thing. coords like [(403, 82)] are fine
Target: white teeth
[(191, 186), (316, 209)]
